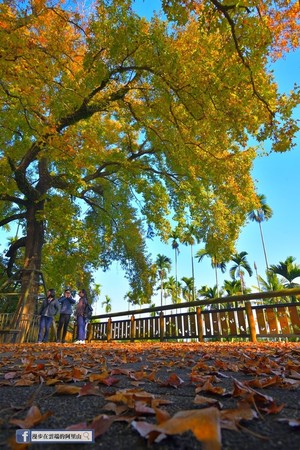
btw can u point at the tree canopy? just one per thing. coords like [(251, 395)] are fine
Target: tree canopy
[(112, 124)]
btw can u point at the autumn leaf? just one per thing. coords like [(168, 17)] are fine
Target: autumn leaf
[(145, 428), (101, 424), (24, 382), (161, 415), (10, 375), (79, 426), (116, 409), (173, 381), (98, 376), (264, 382), (67, 389), (294, 374), (205, 425), (52, 381), (201, 400), (142, 408), (208, 387), (13, 445), (33, 417), (79, 373), (110, 381), (272, 408), (89, 389), (231, 417)]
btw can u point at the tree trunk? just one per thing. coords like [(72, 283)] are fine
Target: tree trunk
[(263, 245), (31, 271)]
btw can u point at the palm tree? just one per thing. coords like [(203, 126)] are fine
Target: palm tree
[(288, 271), (257, 276), (163, 264), (209, 293), (264, 212), (107, 304), (188, 289), (271, 283), (175, 246), (215, 264), (172, 288), (240, 264), (190, 238), (232, 287)]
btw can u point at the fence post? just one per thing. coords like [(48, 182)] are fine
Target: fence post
[(89, 332), (109, 330), (200, 324), (251, 321), (161, 326), (132, 328)]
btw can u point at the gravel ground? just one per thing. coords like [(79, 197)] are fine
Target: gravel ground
[(130, 366)]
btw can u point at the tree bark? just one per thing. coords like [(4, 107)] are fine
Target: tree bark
[(31, 271)]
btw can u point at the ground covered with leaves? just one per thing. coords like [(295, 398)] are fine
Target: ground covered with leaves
[(158, 395)]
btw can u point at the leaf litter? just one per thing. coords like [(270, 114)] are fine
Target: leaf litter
[(212, 372)]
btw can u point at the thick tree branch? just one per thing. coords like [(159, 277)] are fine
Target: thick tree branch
[(11, 198), (31, 155), (12, 253), (22, 182), (12, 219)]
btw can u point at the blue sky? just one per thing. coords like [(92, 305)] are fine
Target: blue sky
[(277, 177)]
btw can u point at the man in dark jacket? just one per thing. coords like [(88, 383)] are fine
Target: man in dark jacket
[(66, 302), (49, 309)]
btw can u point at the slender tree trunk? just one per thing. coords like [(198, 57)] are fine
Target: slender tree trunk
[(242, 282), (263, 244), (258, 284), (193, 272), (217, 281), (176, 275)]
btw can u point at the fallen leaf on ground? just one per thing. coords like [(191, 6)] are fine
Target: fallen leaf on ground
[(204, 423), (173, 380), (68, 389), (33, 417), (89, 389)]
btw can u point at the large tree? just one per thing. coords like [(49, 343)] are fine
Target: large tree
[(111, 124)]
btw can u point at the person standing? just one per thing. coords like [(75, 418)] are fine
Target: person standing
[(80, 316), (66, 302), (49, 308)]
